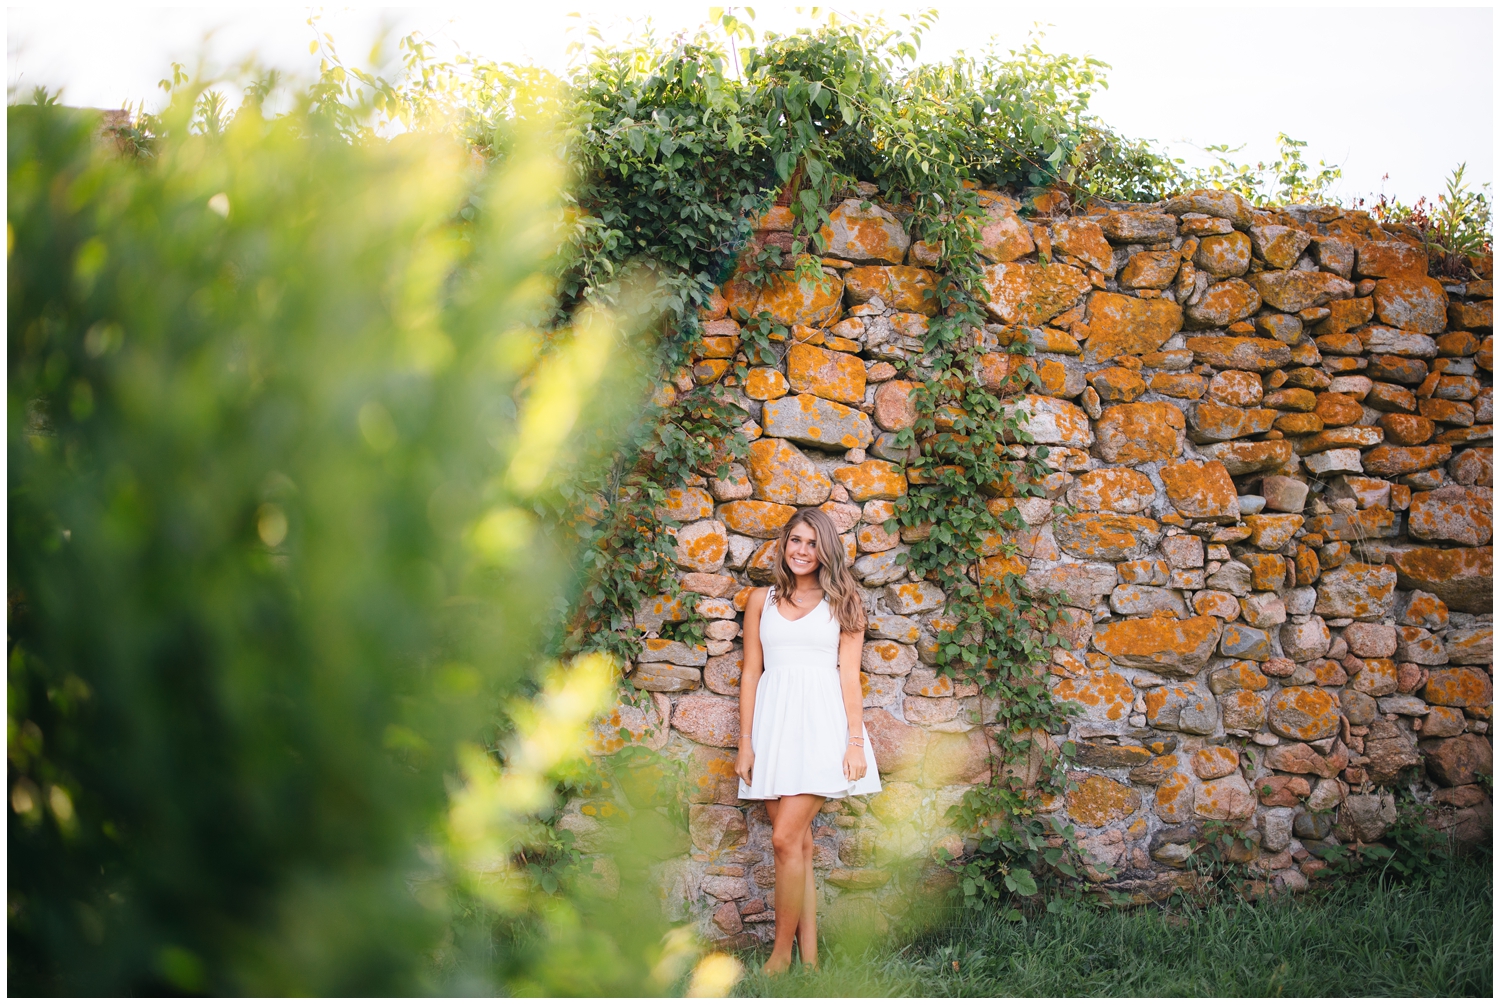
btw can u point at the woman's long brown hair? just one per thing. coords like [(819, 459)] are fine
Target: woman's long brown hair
[(833, 569)]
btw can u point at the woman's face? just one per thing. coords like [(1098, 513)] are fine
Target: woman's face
[(802, 550)]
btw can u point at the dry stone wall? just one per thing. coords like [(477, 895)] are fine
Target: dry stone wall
[(1271, 503)]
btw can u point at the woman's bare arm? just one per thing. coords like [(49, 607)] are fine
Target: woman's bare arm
[(750, 671), (851, 649)]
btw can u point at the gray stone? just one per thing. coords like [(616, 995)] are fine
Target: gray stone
[(1187, 706), (1263, 610), (1470, 646), (1081, 581), (1232, 577), (1311, 826), (741, 548), (1395, 342), (893, 627), (1307, 641), (1147, 600), (1418, 645), (1285, 495), (1183, 551), (1389, 751), (1326, 794), (665, 677), (1369, 817), (1331, 462), (886, 448), (1300, 601), (1368, 640), (1174, 854), (881, 567), (1276, 828), (668, 651), (1245, 643), (1403, 704), (893, 659), (911, 598), (815, 422), (1355, 590), (1359, 708)]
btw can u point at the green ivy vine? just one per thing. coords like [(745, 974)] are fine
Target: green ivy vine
[(677, 147)]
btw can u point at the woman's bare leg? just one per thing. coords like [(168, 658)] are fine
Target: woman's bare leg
[(791, 839), (807, 927)]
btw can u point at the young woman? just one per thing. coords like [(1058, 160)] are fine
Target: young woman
[(802, 735)]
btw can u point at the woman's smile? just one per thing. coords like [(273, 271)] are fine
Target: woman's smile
[(802, 556)]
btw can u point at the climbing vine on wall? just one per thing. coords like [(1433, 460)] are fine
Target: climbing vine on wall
[(677, 147)]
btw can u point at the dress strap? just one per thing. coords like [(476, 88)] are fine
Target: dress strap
[(770, 596)]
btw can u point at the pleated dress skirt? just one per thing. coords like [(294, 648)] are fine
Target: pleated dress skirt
[(800, 731)]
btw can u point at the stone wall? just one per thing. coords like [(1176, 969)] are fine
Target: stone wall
[(1270, 433)]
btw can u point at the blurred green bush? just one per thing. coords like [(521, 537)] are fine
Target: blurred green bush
[(280, 426)]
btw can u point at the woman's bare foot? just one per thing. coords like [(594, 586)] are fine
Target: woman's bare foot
[(776, 967)]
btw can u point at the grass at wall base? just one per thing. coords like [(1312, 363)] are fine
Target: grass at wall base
[(1426, 938)]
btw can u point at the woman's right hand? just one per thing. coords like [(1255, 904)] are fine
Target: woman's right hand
[(744, 762)]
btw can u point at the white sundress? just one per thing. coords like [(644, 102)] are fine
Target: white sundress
[(800, 731)]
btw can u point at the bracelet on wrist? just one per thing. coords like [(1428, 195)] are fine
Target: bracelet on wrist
[(855, 741)]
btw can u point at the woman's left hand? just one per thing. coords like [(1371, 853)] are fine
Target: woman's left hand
[(854, 763)]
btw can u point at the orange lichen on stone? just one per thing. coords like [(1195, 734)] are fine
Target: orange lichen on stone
[(1230, 352), (1031, 294), (1346, 316), (1105, 696), (992, 573), (789, 300), (1414, 304), (783, 474), (1226, 798), (1098, 800), (995, 368), (764, 383), (1304, 713), (1141, 432), (1003, 236), (1215, 762), (1181, 646), (1200, 490), (701, 546), (1120, 325), (1083, 239), (1174, 797), (1459, 687), (1242, 710), (1223, 255), (1117, 383), (1179, 385), (1109, 536), (872, 479), (1338, 409), (755, 518), (685, 504), (838, 376), (1119, 489), (900, 287), (864, 233)]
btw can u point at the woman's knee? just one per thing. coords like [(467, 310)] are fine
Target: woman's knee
[(788, 843)]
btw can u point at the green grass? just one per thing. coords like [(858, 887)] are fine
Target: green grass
[(1428, 938)]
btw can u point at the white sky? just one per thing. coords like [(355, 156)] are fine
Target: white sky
[(1403, 92)]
